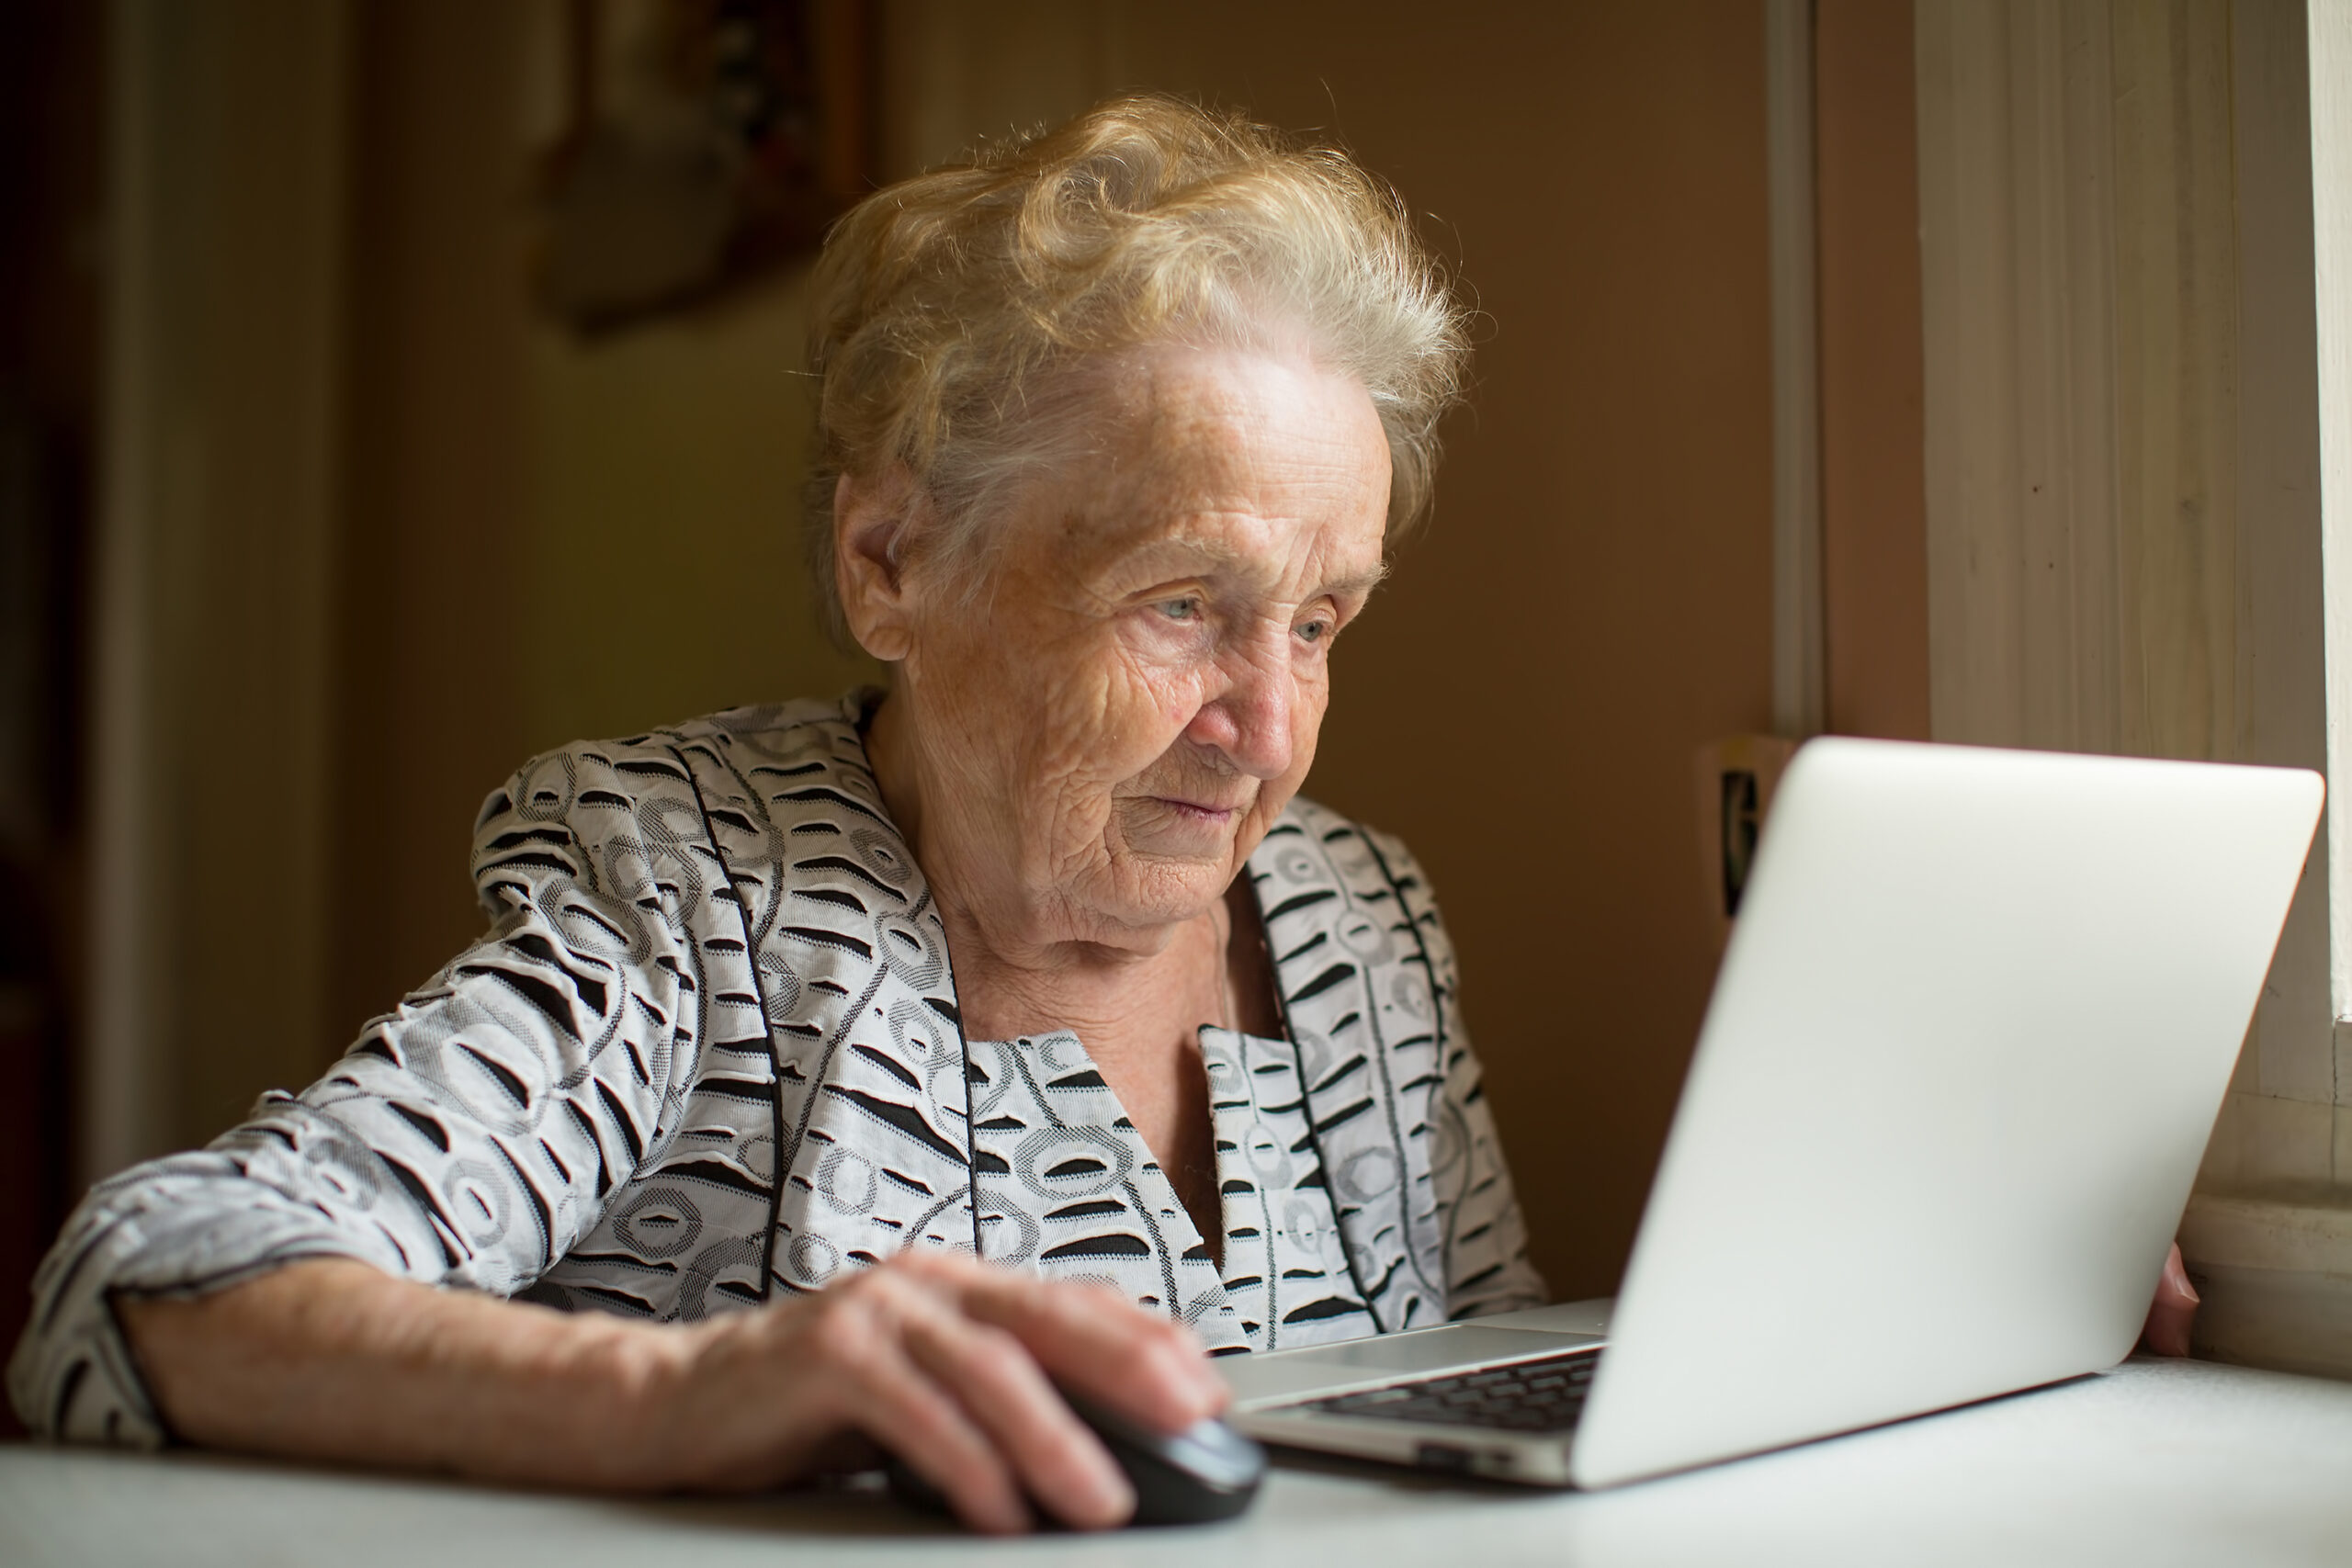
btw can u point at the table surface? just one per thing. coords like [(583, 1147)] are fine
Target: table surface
[(2154, 1462)]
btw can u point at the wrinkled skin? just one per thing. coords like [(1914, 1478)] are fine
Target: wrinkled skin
[(1090, 751), (1084, 753)]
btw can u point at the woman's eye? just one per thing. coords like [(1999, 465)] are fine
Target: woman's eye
[(1315, 631), (1186, 609)]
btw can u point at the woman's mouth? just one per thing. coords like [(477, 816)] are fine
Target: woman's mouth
[(1206, 813)]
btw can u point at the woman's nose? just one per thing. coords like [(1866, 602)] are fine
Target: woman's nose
[(1249, 720)]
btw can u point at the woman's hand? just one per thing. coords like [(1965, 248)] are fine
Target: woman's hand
[(946, 1360), (2174, 1311), (949, 1362)]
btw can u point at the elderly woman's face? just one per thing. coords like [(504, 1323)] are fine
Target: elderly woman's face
[(1108, 729)]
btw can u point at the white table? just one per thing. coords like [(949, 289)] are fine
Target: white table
[(2156, 1462)]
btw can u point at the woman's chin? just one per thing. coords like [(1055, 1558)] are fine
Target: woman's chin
[(1162, 891)]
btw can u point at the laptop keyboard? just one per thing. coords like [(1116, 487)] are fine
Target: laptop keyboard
[(1526, 1397)]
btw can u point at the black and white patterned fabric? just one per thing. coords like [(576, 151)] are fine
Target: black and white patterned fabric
[(708, 1055)]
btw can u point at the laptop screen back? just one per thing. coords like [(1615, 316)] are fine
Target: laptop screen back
[(1954, 1086)]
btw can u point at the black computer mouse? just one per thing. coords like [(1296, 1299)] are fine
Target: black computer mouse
[(1205, 1472)]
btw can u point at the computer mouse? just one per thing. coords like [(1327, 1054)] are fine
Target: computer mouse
[(1206, 1473)]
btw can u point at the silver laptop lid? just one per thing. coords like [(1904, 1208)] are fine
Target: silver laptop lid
[(1954, 1084)]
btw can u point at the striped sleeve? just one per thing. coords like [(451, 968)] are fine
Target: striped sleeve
[(467, 1140)]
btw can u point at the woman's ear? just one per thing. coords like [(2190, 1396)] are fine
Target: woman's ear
[(872, 517)]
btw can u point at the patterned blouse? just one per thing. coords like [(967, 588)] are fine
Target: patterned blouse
[(708, 1054)]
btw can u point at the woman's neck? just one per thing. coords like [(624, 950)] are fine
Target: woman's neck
[(1136, 1006), (1116, 1000)]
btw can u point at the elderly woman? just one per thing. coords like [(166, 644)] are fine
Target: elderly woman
[(793, 1022)]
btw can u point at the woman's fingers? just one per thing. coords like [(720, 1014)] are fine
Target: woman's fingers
[(1097, 1342), (992, 1377), (2174, 1311), (952, 1364), (865, 1343)]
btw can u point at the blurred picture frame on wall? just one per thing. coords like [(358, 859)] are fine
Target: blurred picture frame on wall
[(705, 145)]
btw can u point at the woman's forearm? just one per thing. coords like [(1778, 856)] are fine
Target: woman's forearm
[(335, 1359), (949, 1361)]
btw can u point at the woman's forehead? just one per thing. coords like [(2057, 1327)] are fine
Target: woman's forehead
[(1231, 456), (1174, 393)]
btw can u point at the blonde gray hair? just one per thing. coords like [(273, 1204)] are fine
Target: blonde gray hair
[(944, 307)]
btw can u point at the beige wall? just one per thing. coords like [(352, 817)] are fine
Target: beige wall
[(1873, 489), (553, 537), (549, 538), (663, 522)]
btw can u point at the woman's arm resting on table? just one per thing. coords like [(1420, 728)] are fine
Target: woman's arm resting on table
[(945, 1360)]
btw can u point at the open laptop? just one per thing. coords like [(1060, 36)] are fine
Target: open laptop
[(1955, 1081)]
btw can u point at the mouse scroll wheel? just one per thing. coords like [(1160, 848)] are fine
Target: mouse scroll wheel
[(1219, 1455)]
